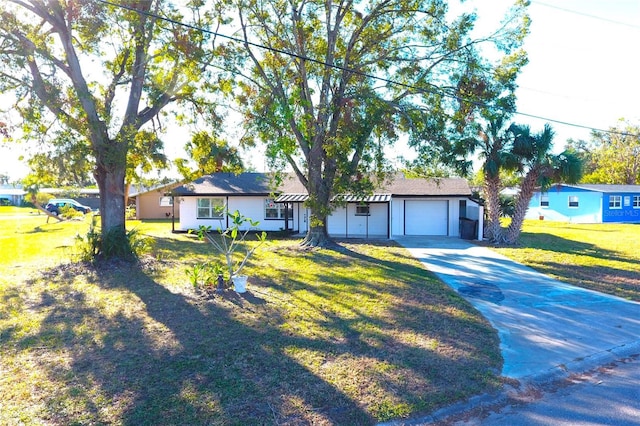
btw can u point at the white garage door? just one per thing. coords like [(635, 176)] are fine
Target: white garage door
[(426, 217)]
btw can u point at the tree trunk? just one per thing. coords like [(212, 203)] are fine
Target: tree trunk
[(112, 208), (317, 236), (45, 211), (527, 189), (492, 196), (319, 202), (127, 187)]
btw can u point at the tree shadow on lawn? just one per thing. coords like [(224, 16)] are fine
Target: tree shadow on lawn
[(151, 356), (178, 248), (417, 304), (185, 363), (549, 242)]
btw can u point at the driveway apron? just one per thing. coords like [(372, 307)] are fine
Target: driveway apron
[(545, 327)]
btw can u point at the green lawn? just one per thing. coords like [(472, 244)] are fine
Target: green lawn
[(601, 257), (351, 336)]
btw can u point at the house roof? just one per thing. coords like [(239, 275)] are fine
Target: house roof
[(606, 188), (12, 191), (400, 185), (135, 191), (230, 184), (292, 190)]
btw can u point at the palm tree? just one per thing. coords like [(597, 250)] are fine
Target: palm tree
[(540, 169), (517, 149), (494, 144)]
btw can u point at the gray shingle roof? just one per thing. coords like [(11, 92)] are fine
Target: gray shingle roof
[(222, 184), (228, 184), (403, 186)]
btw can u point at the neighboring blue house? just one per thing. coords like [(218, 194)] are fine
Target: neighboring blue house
[(587, 203)]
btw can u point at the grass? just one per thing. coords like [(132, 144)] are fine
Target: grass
[(601, 257), (353, 336)]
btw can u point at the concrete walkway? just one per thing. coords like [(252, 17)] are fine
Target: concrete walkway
[(547, 329)]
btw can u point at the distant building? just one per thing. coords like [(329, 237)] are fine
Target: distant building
[(12, 196), (155, 203), (587, 204)]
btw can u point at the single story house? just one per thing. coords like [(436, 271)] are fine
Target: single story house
[(12, 196), (585, 203), (402, 206), (154, 203)]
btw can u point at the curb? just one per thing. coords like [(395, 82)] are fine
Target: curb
[(509, 393)]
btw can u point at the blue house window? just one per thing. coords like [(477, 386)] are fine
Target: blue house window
[(615, 201), (544, 200), (636, 201), (573, 202)]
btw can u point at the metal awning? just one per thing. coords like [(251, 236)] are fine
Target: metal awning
[(291, 198), (345, 198), (375, 198)]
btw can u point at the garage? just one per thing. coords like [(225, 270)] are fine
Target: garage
[(426, 217)]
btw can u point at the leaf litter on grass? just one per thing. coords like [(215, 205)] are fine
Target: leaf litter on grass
[(354, 336)]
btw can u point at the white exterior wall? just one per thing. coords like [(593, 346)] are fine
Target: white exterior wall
[(251, 207), (398, 215), (337, 222), (476, 212), (343, 222)]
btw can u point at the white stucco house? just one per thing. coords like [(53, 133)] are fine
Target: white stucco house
[(400, 207)]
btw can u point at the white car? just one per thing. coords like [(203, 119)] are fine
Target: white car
[(55, 204)]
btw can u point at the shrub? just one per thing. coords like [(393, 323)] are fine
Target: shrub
[(113, 244), (231, 241)]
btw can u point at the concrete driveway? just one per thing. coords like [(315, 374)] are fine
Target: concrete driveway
[(547, 329)]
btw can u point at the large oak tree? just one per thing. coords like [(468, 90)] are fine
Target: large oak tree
[(103, 72), (329, 84)]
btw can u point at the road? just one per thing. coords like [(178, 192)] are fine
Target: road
[(609, 395)]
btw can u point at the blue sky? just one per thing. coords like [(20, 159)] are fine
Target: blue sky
[(583, 68), (583, 65)]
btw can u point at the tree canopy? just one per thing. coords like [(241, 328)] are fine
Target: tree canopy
[(329, 85), (614, 156), (211, 154), (101, 74)]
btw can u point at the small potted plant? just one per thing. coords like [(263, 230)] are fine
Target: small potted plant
[(231, 244), (217, 272)]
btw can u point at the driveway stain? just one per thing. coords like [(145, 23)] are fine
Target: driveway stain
[(482, 290)]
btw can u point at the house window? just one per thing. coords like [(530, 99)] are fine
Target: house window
[(210, 208), (636, 201), (273, 210), (166, 201), (573, 202), (544, 200), (362, 210), (615, 201)]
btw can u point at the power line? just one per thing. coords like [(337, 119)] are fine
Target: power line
[(587, 15), (436, 90)]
